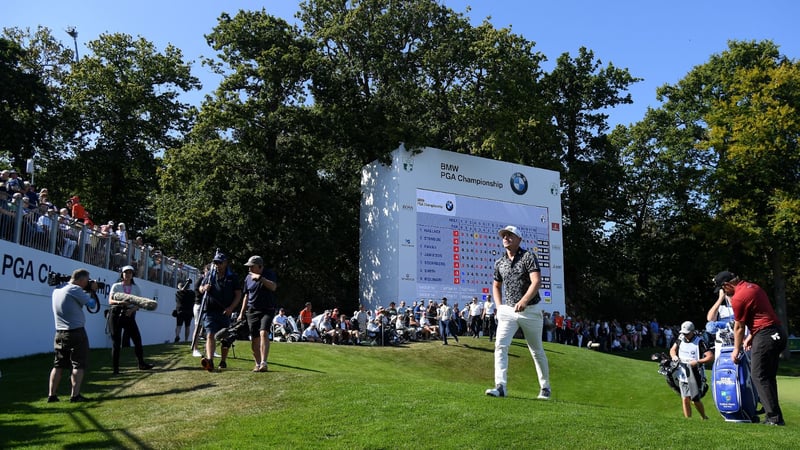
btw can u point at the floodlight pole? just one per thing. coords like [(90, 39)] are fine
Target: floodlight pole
[(74, 33)]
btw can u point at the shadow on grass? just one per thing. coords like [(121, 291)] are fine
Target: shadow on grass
[(480, 349), (24, 432), (84, 420), (787, 367), (272, 364), (523, 344), (167, 392)]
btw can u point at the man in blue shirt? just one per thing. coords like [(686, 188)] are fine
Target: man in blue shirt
[(71, 342), (258, 306), (655, 333), (223, 291)]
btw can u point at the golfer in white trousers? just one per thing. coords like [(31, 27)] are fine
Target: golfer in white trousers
[(515, 291)]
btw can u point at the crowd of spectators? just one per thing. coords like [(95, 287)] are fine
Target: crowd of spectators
[(31, 219), (392, 325), (397, 324), (608, 336)]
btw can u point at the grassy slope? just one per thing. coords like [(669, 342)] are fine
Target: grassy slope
[(421, 396)]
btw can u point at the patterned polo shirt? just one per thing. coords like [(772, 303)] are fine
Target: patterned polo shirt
[(515, 275)]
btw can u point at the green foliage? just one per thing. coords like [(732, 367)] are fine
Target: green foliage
[(106, 120), (252, 177), (26, 103), (738, 118), (126, 93), (378, 73), (578, 91)]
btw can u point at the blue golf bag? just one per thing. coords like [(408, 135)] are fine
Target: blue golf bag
[(734, 394)]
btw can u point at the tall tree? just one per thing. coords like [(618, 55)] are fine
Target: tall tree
[(31, 67), (660, 221), (754, 129), (301, 110), (579, 91), (738, 116), (126, 95), (251, 172)]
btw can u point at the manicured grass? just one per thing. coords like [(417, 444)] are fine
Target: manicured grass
[(423, 395)]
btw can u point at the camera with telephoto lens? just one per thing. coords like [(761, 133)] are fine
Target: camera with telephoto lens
[(237, 331), (55, 278)]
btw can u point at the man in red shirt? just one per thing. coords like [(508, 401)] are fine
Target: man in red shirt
[(305, 317), (558, 320), (78, 212), (752, 309)]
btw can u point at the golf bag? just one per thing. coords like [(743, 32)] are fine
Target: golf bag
[(675, 371), (236, 332), (735, 395), (667, 367)]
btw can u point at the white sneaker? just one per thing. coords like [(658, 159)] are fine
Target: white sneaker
[(196, 353), (544, 394), (497, 391)]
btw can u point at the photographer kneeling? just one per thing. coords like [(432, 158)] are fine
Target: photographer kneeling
[(122, 317), (71, 343)]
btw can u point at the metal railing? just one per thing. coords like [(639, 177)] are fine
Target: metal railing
[(59, 235)]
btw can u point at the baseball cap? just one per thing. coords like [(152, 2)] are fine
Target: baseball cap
[(687, 327), (219, 257), (255, 261), (722, 278), (126, 268), (510, 229)]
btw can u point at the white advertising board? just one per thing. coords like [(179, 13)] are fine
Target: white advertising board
[(27, 325)]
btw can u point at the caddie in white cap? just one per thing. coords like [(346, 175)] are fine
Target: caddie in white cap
[(692, 352)]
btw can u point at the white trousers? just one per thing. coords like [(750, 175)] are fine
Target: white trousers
[(531, 322)]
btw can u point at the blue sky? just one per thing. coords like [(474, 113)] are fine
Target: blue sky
[(658, 41)]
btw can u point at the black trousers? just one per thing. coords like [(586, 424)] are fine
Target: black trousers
[(476, 324), (120, 322), (489, 326), (768, 344)]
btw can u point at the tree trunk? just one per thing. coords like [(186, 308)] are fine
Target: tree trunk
[(779, 285)]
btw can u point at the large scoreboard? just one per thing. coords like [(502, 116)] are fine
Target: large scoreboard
[(457, 243), (429, 224)]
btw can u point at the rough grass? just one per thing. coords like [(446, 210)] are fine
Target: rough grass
[(423, 395)]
